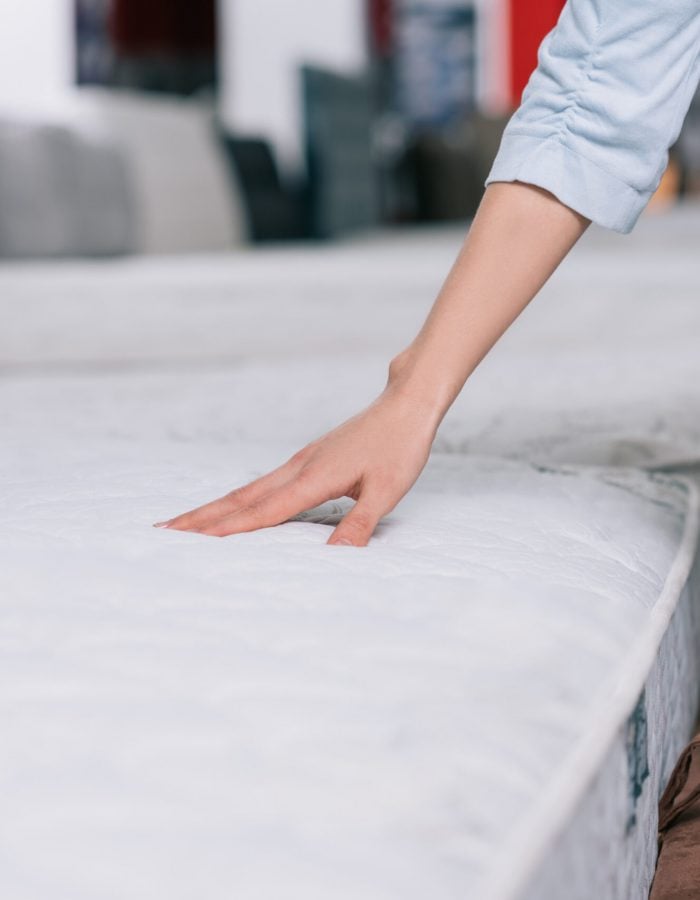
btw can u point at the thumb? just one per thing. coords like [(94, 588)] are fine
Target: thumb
[(357, 526)]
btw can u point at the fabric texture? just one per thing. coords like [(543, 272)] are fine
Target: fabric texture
[(613, 83), (231, 718), (678, 871), (260, 718)]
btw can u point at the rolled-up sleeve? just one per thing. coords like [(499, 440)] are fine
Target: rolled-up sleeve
[(613, 83)]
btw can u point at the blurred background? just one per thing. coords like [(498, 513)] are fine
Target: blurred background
[(168, 126)]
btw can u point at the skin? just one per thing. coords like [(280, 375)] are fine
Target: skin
[(518, 237)]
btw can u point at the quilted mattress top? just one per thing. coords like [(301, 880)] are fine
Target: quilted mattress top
[(268, 717), (603, 367)]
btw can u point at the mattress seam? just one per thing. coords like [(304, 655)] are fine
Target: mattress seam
[(535, 835)]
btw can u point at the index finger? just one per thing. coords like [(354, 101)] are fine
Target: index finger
[(198, 517), (294, 496)]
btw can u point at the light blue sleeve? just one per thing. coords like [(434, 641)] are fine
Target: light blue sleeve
[(613, 83)]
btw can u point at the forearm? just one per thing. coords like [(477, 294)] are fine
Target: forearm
[(518, 237)]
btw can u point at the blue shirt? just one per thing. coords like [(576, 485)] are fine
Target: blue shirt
[(613, 83)]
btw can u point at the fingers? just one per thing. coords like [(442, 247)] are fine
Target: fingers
[(358, 525), (297, 494), (201, 516), (295, 486), (232, 515)]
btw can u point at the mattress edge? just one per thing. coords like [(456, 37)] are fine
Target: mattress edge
[(532, 839)]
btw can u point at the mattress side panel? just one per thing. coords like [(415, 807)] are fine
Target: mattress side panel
[(608, 850)]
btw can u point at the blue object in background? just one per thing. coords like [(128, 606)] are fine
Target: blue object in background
[(94, 56), (435, 62)]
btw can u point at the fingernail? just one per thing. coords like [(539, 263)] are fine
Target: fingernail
[(161, 524), (343, 541)]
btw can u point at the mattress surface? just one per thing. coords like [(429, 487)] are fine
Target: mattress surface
[(603, 367), (268, 717)]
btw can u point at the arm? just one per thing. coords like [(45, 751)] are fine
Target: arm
[(612, 85), (519, 236)]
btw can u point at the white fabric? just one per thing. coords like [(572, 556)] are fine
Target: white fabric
[(268, 717), (602, 367), (608, 847)]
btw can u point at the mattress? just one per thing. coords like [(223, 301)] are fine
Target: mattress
[(602, 367), (476, 704), (270, 717)]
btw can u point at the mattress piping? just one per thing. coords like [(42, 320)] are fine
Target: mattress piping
[(535, 835)]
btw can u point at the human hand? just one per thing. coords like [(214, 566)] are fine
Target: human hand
[(374, 457)]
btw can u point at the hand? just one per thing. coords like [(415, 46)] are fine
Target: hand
[(373, 457)]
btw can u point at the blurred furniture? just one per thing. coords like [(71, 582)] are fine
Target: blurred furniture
[(445, 182), (448, 168), (276, 211), (63, 193), (688, 149), (343, 182), (186, 201), (122, 172)]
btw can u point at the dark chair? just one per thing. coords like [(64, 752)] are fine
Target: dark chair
[(275, 211)]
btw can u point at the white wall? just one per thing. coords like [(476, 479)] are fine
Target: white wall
[(262, 44), (36, 54)]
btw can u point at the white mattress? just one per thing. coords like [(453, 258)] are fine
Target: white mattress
[(457, 709), (602, 367)]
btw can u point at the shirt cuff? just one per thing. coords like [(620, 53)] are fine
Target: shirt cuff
[(573, 179)]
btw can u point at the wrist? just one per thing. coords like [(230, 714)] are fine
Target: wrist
[(422, 385)]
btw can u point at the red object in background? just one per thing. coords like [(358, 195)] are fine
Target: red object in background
[(529, 21), (380, 22), (171, 27)]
